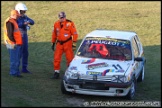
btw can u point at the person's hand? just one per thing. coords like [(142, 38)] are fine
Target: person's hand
[(27, 22), (53, 46), (74, 46), (13, 46)]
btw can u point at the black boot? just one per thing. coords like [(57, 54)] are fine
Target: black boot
[(55, 76)]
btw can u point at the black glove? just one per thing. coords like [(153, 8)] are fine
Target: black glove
[(53, 46), (74, 46)]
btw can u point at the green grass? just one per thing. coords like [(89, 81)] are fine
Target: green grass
[(37, 89)]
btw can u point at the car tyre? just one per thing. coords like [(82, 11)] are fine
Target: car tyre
[(63, 90), (132, 91), (142, 74)]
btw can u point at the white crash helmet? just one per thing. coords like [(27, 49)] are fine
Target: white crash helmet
[(21, 6)]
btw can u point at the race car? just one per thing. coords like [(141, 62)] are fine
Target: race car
[(106, 63)]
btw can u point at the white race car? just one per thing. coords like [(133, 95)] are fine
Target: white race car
[(107, 63)]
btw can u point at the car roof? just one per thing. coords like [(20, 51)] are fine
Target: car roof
[(126, 35)]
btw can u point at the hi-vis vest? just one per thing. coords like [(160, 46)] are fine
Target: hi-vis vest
[(16, 34)]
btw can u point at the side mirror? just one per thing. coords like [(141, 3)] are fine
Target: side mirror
[(140, 59)]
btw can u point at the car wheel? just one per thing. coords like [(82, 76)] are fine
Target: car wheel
[(142, 74), (63, 90), (132, 91)]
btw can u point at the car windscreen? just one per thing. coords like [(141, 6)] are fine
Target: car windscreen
[(105, 48)]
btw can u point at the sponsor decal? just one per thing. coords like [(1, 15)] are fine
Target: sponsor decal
[(88, 61), (73, 68), (118, 68), (97, 65), (109, 41), (65, 35), (106, 71), (121, 70), (93, 73), (114, 66), (68, 24), (57, 31)]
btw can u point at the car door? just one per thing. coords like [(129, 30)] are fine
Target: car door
[(141, 52), (136, 52)]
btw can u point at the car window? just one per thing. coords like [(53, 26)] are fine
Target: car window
[(135, 48), (105, 48), (138, 43)]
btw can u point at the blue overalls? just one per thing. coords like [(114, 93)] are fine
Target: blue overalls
[(23, 29)]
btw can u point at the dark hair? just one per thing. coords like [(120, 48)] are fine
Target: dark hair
[(62, 15)]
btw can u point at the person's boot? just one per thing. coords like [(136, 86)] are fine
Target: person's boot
[(56, 75), (24, 70)]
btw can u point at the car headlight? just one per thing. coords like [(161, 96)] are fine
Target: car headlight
[(121, 78), (72, 74)]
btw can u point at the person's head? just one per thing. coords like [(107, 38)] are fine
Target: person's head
[(62, 16), (14, 14), (21, 8)]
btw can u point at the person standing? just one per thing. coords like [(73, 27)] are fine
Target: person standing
[(64, 36), (23, 22), (13, 42)]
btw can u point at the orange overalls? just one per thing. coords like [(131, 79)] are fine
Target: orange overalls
[(62, 35)]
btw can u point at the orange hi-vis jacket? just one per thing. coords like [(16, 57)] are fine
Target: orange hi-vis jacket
[(64, 33), (16, 34)]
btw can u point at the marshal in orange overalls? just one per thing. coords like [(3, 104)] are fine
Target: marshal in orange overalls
[(64, 34)]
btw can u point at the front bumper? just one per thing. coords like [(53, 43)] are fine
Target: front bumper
[(100, 88)]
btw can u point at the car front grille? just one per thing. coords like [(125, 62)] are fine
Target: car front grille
[(98, 78), (94, 86)]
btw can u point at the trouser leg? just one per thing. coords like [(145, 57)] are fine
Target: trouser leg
[(15, 55), (69, 54), (57, 56), (25, 52), (69, 57)]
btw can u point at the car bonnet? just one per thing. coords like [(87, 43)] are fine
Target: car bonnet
[(99, 67)]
